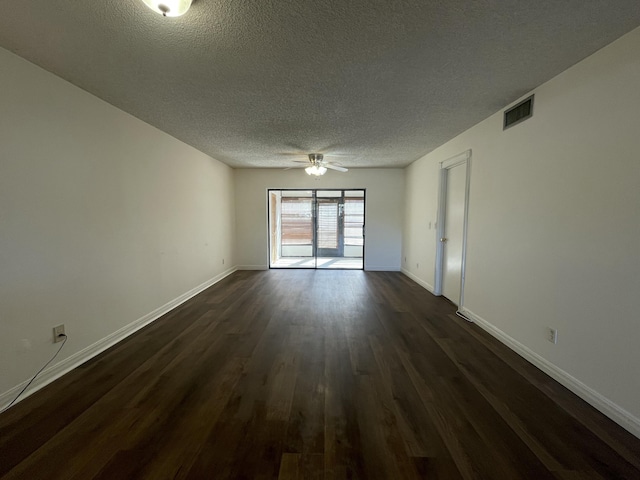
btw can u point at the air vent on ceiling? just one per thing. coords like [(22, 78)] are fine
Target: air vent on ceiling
[(518, 113)]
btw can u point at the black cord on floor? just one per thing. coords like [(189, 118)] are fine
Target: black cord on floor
[(39, 372)]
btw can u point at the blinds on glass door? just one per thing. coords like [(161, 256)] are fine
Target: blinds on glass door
[(353, 221), (297, 221), (328, 212)]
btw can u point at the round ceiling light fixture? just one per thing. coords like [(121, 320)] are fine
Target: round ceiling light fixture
[(169, 8)]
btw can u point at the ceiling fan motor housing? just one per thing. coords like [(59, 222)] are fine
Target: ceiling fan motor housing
[(315, 158)]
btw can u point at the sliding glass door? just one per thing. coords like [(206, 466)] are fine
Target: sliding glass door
[(316, 228)]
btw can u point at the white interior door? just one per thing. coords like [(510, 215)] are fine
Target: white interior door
[(454, 232)]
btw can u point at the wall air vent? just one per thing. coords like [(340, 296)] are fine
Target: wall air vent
[(518, 113)]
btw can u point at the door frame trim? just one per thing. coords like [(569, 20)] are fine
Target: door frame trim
[(445, 166)]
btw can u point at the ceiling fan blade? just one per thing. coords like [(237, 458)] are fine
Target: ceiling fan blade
[(294, 146), (335, 167)]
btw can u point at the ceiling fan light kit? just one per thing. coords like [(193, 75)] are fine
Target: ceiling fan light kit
[(319, 166), (169, 8), (315, 170)]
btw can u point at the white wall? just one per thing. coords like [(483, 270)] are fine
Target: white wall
[(554, 227), (103, 218), (385, 197)]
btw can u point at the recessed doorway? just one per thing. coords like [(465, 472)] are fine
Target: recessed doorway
[(453, 211), (316, 228)]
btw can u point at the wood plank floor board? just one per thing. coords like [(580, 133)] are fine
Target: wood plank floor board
[(343, 457), (417, 429), (21, 438), (509, 455), (298, 466), (160, 398), (305, 429), (618, 439), (174, 456), (382, 445), (524, 399), (518, 398), (287, 374)]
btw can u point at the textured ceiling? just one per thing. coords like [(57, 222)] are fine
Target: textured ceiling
[(251, 81)]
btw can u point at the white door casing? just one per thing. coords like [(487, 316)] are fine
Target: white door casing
[(453, 232), (453, 207)]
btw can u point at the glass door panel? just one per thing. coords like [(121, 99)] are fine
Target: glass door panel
[(330, 225), (291, 229), (353, 225)]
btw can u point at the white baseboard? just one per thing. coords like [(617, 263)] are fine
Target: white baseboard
[(418, 280), (59, 369), (369, 268), (380, 268), (597, 400)]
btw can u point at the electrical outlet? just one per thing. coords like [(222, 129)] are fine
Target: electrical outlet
[(552, 335), (223, 261), (58, 333)]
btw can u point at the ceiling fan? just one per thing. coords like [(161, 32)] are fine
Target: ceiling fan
[(318, 166)]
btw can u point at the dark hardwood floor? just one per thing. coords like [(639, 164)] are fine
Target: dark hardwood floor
[(308, 375)]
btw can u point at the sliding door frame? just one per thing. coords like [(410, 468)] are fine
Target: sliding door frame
[(314, 197)]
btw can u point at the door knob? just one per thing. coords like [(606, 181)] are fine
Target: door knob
[(443, 239)]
